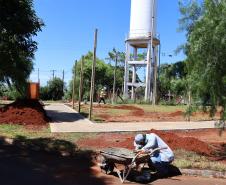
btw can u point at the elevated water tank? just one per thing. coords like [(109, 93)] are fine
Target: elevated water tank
[(141, 18)]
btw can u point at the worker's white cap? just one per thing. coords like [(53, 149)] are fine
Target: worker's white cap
[(139, 138)]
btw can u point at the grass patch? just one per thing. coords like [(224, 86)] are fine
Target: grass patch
[(13, 131), (41, 139), (191, 160), (161, 108), (117, 112)]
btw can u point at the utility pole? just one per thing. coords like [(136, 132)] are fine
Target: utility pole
[(73, 90), (93, 75), (159, 59), (63, 82), (81, 86), (53, 73), (114, 84), (63, 76)]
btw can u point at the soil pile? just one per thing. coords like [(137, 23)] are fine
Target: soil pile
[(126, 141), (135, 114), (24, 112), (186, 143), (176, 142)]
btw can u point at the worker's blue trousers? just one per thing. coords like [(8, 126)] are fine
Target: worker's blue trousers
[(162, 167)]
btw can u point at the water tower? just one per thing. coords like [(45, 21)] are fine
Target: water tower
[(142, 35)]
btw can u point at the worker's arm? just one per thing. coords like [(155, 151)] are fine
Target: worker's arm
[(151, 144), (137, 147)]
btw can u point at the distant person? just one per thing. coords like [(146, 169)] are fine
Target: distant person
[(160, 159), (103, 95)]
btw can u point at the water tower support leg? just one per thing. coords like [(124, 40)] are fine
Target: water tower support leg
[(148, 73), (155, 77), (134, 74)]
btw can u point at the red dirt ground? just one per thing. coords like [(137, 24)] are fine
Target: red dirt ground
[(175, 139), (24, 112), (137, 114)]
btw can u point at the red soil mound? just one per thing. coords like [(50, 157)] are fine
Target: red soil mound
[(186, 143), (122, 107), (24, 112), (134, 112), (174, 141), (177, 113)]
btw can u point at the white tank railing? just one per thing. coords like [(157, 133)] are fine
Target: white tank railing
[(141, 33)]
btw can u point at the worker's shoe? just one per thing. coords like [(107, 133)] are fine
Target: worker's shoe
[(161, 175), (145, 177)]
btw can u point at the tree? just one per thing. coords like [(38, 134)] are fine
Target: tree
[(104, 75), (205, 49), (117, 57), (172, 79), (55, 88), (18, 25), (9, 93), (2, 89), (44, 93)]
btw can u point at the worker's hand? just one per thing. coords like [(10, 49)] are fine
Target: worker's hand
[(142, 152), (138, 150)]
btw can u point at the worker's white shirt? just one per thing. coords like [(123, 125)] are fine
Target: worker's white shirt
[(154, 141)]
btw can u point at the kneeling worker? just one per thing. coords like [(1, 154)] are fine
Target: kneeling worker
[(160, 159)]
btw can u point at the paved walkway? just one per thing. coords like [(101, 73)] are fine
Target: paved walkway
[(65, 119)]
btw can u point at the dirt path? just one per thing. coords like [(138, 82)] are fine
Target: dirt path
[(178, 180)]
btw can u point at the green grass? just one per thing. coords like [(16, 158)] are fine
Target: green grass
[(13, 131), (117, 112), (41, 139), (188, 160), (161, 108)]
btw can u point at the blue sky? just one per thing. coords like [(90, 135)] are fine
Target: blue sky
[(69, 31)]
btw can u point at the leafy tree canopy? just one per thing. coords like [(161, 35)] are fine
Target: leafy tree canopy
[(206, 46), (173, 78), (117, 54), (103, 77), (18, 25), (53, 91)]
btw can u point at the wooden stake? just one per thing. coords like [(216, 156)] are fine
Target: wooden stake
[(114, 84), (93, 76), (81, 86), (73, 90)]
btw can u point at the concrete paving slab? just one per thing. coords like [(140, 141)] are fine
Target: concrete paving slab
[(62, 114), (65, 119)]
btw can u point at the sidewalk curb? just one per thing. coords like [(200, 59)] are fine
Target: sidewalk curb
[(203, 173)]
